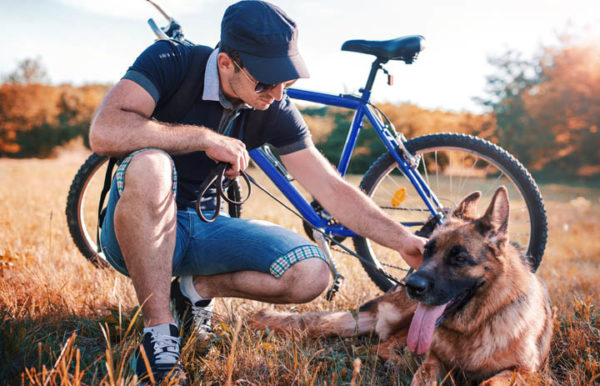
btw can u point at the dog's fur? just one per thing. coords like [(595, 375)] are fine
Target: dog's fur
[(500, 335)]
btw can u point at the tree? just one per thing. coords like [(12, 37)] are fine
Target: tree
[(29, 70), (505, 88), (547, 108), (566, 106)]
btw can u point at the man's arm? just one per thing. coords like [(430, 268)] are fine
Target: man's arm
[(123, 125), (350, 206)]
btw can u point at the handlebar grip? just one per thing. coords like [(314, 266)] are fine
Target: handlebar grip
[(157, 31)]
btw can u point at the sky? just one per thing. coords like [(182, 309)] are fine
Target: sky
[(91, 41)]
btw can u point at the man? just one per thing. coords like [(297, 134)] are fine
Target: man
[(151, 231)]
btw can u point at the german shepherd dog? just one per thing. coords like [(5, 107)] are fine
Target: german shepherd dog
[(474, 306)]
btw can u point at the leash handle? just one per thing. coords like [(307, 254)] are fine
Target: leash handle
[(215, 177)]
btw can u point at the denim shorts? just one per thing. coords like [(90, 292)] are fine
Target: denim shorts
[(224, 246)]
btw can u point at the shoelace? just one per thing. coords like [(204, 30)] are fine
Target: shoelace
[(202, 316), (166, 349)]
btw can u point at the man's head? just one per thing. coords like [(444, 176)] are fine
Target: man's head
[(260, 42)]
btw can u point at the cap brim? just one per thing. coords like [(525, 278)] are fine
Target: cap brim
[(275, 70)]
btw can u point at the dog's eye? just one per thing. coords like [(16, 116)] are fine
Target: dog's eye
[(460, 259), (459, 256)]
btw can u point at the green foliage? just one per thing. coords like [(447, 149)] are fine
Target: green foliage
[(368, 146), (506, 88), (315, 111), (42, 140)]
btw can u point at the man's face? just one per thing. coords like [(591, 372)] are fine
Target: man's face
[(237, 83)]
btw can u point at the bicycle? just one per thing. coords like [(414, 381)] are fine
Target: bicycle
[(415, 181)]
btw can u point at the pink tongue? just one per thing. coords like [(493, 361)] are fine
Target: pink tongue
[(421, 328)]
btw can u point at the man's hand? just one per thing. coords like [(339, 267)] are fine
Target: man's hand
[(230, 150), (412, 250)]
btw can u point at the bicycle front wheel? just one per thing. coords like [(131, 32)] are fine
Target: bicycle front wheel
[(453, 165)]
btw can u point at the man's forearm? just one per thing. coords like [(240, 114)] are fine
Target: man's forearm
[(121, 132), (356, 211)]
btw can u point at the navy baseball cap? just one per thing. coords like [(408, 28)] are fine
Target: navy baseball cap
[(266, 39)]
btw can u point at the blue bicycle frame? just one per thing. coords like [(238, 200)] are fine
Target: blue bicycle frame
[(391, 142), (362, 108)]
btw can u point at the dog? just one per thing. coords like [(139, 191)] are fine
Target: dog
[(474, 305)]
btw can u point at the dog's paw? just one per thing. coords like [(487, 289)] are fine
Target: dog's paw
[(258, 320)]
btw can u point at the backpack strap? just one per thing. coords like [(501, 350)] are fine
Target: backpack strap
[(101, 210)]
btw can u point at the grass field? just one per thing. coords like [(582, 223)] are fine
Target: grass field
[(63, 321)]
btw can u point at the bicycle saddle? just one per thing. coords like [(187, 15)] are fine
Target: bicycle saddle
[(405, 48)]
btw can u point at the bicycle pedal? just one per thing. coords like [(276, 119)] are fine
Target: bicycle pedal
[(335, 287)]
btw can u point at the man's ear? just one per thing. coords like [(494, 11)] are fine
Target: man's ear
[(225, 62), (495, 219), (467, 209)]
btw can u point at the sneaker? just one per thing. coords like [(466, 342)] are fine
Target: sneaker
[(192, 317), (162, 352)]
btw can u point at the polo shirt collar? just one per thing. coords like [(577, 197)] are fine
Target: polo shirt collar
[(212, 86)]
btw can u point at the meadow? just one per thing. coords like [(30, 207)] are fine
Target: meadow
[(63, 321)]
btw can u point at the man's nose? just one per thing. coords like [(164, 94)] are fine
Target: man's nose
[(276, 92)]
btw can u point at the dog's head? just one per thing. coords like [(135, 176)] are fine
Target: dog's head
[(460, 257)]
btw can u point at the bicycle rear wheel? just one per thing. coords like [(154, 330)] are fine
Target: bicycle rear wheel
[(453, 165), (82, 206)]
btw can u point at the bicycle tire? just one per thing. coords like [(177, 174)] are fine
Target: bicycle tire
[(527, 206), (82, 213)]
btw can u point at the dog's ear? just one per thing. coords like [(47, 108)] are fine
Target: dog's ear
[(495, 219), (467, 209)]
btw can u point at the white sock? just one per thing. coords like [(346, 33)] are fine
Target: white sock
[(161, 329), (186, 284)]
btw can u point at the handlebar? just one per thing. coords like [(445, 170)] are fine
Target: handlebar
[(160, 34), (171, 32)]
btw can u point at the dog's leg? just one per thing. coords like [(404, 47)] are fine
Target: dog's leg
[(386, 348), (315, 324), (385, 315), (430, 372)]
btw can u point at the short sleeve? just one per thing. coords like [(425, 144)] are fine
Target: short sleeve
[(288, 132), (160, 69)]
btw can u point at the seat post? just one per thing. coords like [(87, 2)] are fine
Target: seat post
[(374, 68)]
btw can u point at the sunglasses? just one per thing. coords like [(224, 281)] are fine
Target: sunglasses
[(262, 87)]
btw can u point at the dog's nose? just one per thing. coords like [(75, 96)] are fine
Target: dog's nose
[(417, 285)]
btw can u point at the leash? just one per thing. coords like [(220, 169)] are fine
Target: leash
[(216, 178), (331, 239)]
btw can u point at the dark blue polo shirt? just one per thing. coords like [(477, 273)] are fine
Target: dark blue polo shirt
[(160, 70)]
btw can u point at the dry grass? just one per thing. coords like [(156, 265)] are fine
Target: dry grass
[(63, 321)]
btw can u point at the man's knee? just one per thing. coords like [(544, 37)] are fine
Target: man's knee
[(306, 280), (149, 171)]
